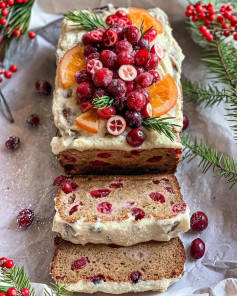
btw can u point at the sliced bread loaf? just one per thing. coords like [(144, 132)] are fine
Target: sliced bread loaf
[(143, 267)]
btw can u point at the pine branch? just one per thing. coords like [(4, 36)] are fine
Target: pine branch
[(59, 289), (161, 126), (221, 165), (102, 102), (89, 21)]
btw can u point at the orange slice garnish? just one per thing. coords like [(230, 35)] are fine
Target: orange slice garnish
[(89, 121), (137, 15), (163, 95), (72, 61)]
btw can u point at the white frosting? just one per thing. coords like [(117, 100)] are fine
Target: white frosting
[(119, 288), (71, 35), (123, 233)]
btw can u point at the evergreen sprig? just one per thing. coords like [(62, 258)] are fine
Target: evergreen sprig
[(5, 108), (102, 102), (89, 21), (161, 125), (222, 166), (142, 28), (59, 290)]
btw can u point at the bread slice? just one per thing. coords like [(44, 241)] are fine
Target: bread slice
[(121, 210), (142, 267)]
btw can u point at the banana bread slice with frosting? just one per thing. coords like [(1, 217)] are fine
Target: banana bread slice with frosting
[(100, 268), (122, 210)]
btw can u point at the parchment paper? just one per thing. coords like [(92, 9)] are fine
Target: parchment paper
[(26, 175)]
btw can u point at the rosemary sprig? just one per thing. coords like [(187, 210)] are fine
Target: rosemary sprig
[(89, 21), (102, 102), (221, 165), (142, 28), (5, 108), (161, 125)]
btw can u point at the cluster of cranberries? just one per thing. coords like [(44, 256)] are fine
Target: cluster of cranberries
[(214, 22), (8, 73), (9, 264), (120, 64), (199, 221)]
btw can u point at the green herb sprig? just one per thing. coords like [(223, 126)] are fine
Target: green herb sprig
[(142, 28), (102, 102)]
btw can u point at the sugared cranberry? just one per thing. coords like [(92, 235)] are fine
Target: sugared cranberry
[(152, 62), (73, 210), (199, 221), (116, 185), (156, 48), (144, 79), (136, 100), (145, 92), (96, 279), (84, 91), (11, 292), (117, 88), (92, 56), (138, 213), (112, 19), (125, 58), (102, 77), (121, 13), (142, 44), (82, 76), (116, 125), (131, 33), (135, 277), (156, 196), (124, 21), (25, 292), (156, 75), (93, 66), (25, 218), (86, 39), (100, 92), (57, 181), (141, 57), (9, 264), (110, 37), (118, 29), (120, 104), (130, 86), (153, 159), (79, 263), (146, 111), (151, 35), (43, 87), (99, 193), (133, 118), (104, 208), (96, 35), (101, 29), (127, 72), (123, 45), (197, 248), (86, 106), (89, 49), (135, 137), (33, 120), (3, 260), (107, 112), (108, 58), (140, 70), (185, 122), (12, 143)]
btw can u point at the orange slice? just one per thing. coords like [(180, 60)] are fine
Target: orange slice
[(89, 121), (163, 95), (72, 61), (137, 15)]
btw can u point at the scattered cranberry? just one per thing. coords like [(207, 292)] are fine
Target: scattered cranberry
[(185, 122), (110, 37), (116, 125), (102, 77), (127, 72), (32, 35), (43, 87), (125, 58), (9, 264), (135, 137), (112, 19), (117, 88), (156, 196), (93, 65), (99, 193), (8, 74), (146, 111), (11, 292), (107, 112), (133, 118), (138, 213), (151, 35), (13, 68), (84, 91), (197, 248), (108, 58), (144, 79), (57, 181), (135, 277), (132, 34), (33, 120), (123, 45), (121, 13), (199, 221), (79, 263), (25, 292), (3, 261), (97, 279), (73, 210), (136, 100), (104, 207), (25, 218), (12, 143)]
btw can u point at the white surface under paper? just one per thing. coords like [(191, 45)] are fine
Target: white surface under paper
[(26, 175)]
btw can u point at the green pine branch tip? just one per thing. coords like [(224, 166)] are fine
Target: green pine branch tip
[(102, 102)]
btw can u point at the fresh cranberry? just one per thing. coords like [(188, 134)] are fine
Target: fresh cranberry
[(108, 58), (133, 118), (86, 39), (146, 111), (120, 104), (82, 76), (118, 29), (153, 159), (96, 35), (144, 79), (156, 75), (185, 122), (156, 196), (151, 35), (116, 185), (104, 155), (112, 19), (156, 48), (100, 92), (136, 100), (121, 13), (25, 218), (96, 279), (131, 33), (73, 210), (130, 86), (124, 21), (199, 221), (110, 37), (179, 208), (99, 193), (9, 264), (116, 125), (84, 91), (117, 88), (102, 77), (33, 120), (89, 49), (138, 213), (169, 189), (95, 56), (135, 137), (79, 263), (86, 106), (3, 260), (43, 87), (197, 248), (123, 45), (141, 57), (93, 66), (57, 181), (11, 292), (127, 72), (142, 44), (104, 207), (14, 68), (25, 292), (135, 277), (145, 92), (12, 143), (125, 58), (107, 112), (152, 62)]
